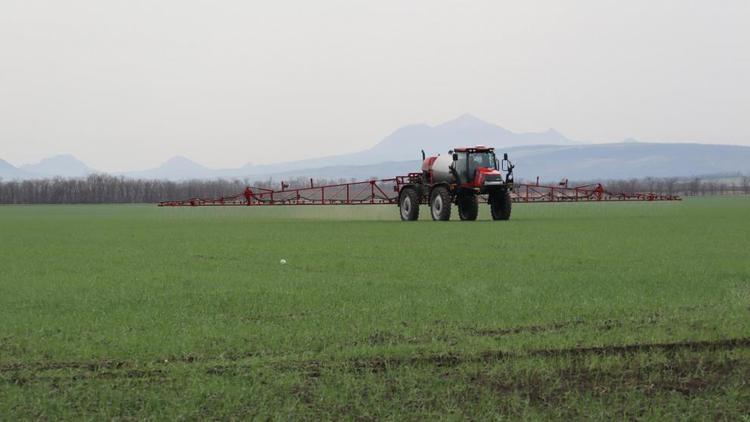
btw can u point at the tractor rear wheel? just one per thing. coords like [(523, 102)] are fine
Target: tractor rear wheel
[(500, 205), (440, 204), (409, 204), (468, 207)]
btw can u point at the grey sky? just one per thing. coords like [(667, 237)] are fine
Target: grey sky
[(127, 84)]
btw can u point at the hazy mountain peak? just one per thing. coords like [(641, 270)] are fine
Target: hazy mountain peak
[(466, 118), (65, 165), (177, 167), (413, 127), (466, 129), (179, 160), (9, 171), (468, 121), (60, 158), (6, 165)]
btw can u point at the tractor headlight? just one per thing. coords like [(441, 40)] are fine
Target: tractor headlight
[(493, 179)]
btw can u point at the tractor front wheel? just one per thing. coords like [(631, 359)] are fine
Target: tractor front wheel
[(500, 205), (440, 204), (409, 204), (468, 207)]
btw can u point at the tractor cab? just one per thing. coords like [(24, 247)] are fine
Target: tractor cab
[(478, 167)]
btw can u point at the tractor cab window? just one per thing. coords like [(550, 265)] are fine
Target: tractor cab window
[(460, 166), (480, 160)]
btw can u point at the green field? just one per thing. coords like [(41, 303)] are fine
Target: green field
[(568, 310)]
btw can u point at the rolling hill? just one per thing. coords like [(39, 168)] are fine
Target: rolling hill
[(549, 155), (64, 165), (9, 172)]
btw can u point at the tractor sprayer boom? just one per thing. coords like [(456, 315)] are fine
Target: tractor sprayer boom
[(465, 177)]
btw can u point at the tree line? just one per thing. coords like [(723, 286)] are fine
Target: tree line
[(103, 188), (736, 184)]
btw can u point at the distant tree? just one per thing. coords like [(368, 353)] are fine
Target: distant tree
[(669, 185), (697, 187)]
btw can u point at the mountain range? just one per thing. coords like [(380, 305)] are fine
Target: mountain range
[(549, 155), (64, 165)]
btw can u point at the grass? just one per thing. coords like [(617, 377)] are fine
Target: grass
[(636, 310)]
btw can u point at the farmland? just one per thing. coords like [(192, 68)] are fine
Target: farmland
[(568, 310)]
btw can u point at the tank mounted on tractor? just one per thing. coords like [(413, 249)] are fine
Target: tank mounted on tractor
[(459, 178)]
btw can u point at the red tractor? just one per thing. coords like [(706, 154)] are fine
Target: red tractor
[(459, 178)]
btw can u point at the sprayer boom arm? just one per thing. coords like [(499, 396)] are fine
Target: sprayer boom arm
[(386, 191)]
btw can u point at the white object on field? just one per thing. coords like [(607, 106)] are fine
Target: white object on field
[(283, 261)]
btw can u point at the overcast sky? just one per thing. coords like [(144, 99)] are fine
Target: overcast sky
[(128, 84)]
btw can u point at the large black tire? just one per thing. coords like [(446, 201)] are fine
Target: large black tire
[(440, 204), (408, 204), (500, 205), (468, 207)]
